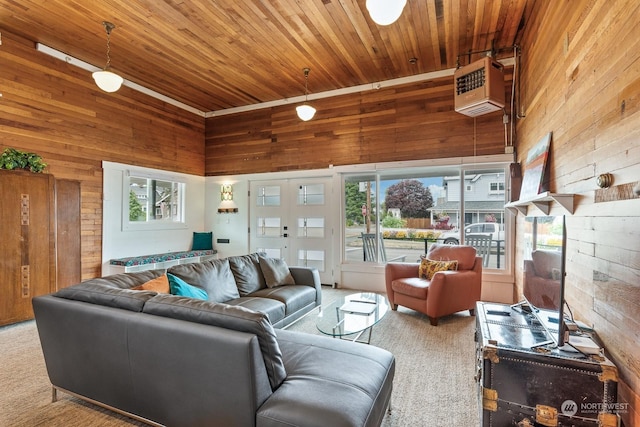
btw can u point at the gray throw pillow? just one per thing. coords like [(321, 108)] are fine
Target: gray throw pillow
[(247, 273), (276, 272), (213, 276)]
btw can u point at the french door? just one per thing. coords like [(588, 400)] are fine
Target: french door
[(291, 219)]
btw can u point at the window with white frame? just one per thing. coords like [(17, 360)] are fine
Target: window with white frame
[(496, 187), (407, 211), (152, 202)]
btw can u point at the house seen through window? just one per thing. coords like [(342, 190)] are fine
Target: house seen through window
[(397, 216), (158, 201)]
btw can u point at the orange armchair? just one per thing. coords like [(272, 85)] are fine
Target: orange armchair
[(446, 293)]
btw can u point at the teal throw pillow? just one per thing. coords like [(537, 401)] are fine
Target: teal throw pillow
[(179, 287), (202, 241)]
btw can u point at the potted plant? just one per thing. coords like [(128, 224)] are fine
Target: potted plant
[(16, 159)]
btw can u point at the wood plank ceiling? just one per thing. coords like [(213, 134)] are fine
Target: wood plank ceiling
[(215, 55)]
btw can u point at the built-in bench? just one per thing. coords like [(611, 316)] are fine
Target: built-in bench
[(159, 261)]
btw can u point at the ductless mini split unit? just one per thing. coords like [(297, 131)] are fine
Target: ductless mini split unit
[(479, 88)]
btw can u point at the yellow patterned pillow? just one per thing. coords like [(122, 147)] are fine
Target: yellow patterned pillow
[(429, 267)]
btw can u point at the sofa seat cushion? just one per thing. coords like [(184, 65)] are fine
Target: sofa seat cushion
[(273, 308), (225, 316), (247, 273), (324, 387), (411, 286), (294, 297), (214, 276)]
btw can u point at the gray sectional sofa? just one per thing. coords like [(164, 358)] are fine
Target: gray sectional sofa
[(179, 361)]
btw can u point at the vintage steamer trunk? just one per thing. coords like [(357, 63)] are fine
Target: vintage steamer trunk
[(521, 386)]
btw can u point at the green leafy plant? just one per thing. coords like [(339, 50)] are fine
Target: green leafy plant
[(390, 221), (16, 159)]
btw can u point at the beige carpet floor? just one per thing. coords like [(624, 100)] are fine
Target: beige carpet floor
[(433, 386)]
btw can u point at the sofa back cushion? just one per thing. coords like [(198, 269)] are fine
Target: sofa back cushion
[(465, 255), (225, 316), (247, 273), (113, 291), (213, 276)]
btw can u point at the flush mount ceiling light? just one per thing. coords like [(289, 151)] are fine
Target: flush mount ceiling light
[(106, 80), (385, 12), (305, 111)]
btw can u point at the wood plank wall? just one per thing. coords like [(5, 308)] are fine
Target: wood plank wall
[(414, 121), (581, 81), (54, 109)]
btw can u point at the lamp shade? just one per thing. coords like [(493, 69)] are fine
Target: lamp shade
[(107, 81), (305, 112), (385, 12)]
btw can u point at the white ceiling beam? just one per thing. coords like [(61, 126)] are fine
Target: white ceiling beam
[(276, 103)]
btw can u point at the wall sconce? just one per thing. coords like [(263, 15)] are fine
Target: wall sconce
[(226, 199)]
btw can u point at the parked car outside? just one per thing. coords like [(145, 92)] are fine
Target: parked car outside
[(494, 229)]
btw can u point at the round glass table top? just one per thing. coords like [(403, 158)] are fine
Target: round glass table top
[(352, 314)]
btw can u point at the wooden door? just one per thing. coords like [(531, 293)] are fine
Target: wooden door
[(68, 252), (27, 263)]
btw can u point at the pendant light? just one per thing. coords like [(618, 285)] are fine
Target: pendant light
[(106, 80), (385, 12), (305, 111)]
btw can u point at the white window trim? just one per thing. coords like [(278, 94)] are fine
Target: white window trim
[(464, 163), (156, 224)]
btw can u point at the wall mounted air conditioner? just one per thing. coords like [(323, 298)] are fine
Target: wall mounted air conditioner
[(479, 88)]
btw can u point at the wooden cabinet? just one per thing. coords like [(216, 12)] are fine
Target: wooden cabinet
[(28, 229), (68, 265), (27, 252)]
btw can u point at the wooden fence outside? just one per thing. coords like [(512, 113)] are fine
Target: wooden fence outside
[(418, 223)]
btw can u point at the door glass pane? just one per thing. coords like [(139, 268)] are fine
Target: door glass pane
[(311, 227), (311, 258), (271, 252), (312, 194), (268, 196), (268, 227)]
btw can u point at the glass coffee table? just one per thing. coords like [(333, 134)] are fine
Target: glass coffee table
[(351, 316)]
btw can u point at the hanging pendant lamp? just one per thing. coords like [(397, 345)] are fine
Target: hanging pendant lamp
[(106, 80), (305, 111), (385, 12)]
